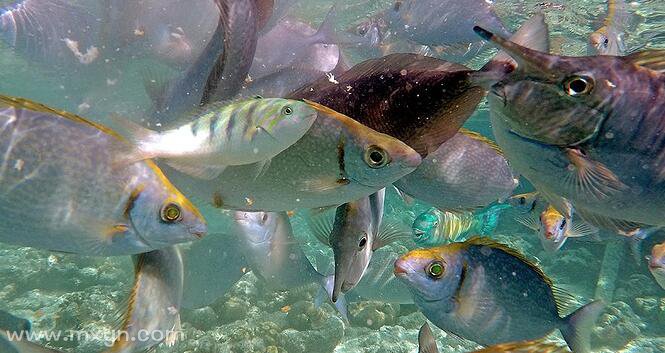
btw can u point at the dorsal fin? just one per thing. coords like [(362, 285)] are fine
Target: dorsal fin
[(22, 103), (565, 301), (478, 137), (653, 59), (484, 241), (126, 308)]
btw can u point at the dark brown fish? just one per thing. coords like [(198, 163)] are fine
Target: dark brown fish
[(419, 100)]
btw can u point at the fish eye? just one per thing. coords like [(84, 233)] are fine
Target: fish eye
[(287, 110), (363, 241), (576, 86), (362, 30), (562, 225), (376, 157), (435, 270), (522, 200), (171, 213), (264, 219), (606, 41)]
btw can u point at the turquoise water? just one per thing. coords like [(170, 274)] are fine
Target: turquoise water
[(61, 292)]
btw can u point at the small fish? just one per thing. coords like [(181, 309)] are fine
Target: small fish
[(554, 228), (574, 118), (154, 302), (356, 232), (525, 203), (466, 172), (337, 161), (657, 264), (63, 189), (244, 132), (488, 293), (608, 39), (275, 256), (435, 227)]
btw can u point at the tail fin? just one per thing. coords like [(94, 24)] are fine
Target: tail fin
[(426, 340), (488, 220), (328, 34), (138, 136), (325, 293), (577, 326)]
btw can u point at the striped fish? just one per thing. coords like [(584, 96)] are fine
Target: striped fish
[(436, 227), (245, 132)]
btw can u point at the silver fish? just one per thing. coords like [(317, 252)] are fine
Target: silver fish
[(466, 172), (338, 160), (608, 39), (154, 302), (65, 190)]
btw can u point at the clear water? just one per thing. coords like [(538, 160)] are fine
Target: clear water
[(61, 292)]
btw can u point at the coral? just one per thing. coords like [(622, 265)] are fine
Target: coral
[(617, 326)]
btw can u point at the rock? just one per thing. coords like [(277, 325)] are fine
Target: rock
[(373, 314), (322, 338), (617, 326), (203, 318), (304, 315)]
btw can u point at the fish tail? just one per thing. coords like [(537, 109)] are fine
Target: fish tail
[(486, 222), (328, 34), (139, 137), (325, 293), (577, 326)]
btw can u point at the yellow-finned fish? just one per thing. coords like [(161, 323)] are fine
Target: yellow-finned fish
[(64, 190), (488, 293), (608, 39), (657, 263), (154, 302), (554, 228), (244, 132)]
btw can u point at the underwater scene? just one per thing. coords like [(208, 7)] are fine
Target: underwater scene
[(371, 176)]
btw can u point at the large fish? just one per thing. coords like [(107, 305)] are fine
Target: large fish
[(275, 256), (356, 232), (657, 264), (483, 291), (338, 160), (465, 172), (64, 188), (574, 118), (154, 302), (427, 344), (608, 39), (243, 132)]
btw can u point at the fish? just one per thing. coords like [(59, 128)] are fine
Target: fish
[(220, 135), (290, 42), (240, 23), (276, 257), (427, 344), (554, 228), (63, 189), (657, 264), (154, 302), (525, 203), (435, 227), (486, 292), (37, 29), (466, 172), (355, 233), (585, 124), (338, 160), (436, 23), (608, 39), (420, 100)]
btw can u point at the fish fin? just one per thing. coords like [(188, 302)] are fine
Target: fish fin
[(408, 200), (636, 239), (172, 335), (653, 59), (390, 232), (426, 340), (260, 168), (528, 221), (206, 172), (613, 224), (480, 138), (536, 346), (590, 177), (328, 34), (137, 136), (533, 34), (321, 185), (123, 315), (564, 299), (577, 326), (321, 226), (325, 293), (491, 243), (155, 86), (581, 229), (471, 297)]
